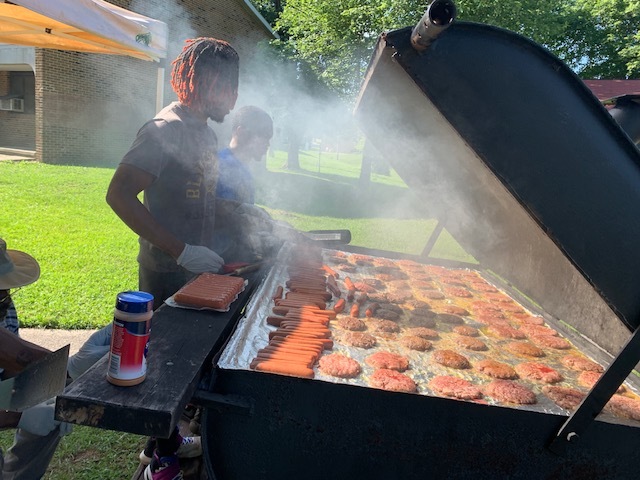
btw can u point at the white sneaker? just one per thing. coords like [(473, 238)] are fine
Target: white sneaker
[(190, 447)]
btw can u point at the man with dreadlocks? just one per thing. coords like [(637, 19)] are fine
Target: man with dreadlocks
[(173, 161)]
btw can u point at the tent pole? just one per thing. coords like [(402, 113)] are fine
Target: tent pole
[(160, 86)]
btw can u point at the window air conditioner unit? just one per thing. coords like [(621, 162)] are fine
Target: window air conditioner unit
[(12, 104)]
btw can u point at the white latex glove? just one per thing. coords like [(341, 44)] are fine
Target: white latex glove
[(199, 259), (39, 419), (96, 347)]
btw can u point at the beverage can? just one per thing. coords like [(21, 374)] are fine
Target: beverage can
[(130, 338)]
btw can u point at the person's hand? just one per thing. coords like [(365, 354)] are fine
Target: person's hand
[(96, 347), (199, 259), (39, 419)]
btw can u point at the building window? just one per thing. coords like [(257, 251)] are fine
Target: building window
[(23, 85)]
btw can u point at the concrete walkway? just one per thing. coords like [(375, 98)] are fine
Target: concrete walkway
[(54, 339), (10, 154)]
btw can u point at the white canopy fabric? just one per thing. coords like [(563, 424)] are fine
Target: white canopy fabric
[(84, 26)]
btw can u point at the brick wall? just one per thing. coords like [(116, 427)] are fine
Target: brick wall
[(90, 106), (17, 129)]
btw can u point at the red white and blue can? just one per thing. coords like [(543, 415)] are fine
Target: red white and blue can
[(130, 338)]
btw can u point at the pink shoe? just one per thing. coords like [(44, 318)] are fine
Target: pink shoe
[(165, 468)]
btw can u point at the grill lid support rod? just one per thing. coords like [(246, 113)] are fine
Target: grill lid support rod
[(597, 398), (433, 238)]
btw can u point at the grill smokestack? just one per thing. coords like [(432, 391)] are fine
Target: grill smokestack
[(439, 15)]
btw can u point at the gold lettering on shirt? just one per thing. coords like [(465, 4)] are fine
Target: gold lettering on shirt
[(194, 191)]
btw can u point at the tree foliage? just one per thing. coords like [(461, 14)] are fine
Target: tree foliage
[(335, 38)]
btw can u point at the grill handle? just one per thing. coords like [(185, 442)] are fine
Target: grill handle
[(439, 15)]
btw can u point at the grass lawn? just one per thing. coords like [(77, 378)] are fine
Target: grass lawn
[(87, 255)]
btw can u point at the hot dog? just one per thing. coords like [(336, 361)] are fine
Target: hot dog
[(371, 309), (306, 331), (355, 310), (279, 292), (301, 303), (322, 343), (290, 322), (339, 305), (330, 271), (294, 349), (351, 288), (297, 344), (307, 318), (303, 359), (283, 368)]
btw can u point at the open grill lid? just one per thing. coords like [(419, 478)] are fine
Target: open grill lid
[(522, 164)]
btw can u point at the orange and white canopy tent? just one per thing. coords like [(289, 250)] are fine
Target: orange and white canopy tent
[(84, 26)]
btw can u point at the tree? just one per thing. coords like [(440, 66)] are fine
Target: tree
[(327, 43), (596, 38), (292, 93), (269, 9), (605, 39)]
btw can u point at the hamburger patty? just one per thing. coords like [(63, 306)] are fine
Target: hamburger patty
[(455, 310), (391, 380), (550, 341), (423, 332), (510, 391), (352, 324), (421, 321), (359, 339), (454, 387), (451, 359), (539, 372), (466, 331), (338, 365), (588, 378), (385, 326), (505, 331), (449, 318), (524, 348), (496, 369), (414, 342), (564, 397), (624, 407), (578, 363), (387, 360), (470, 343)]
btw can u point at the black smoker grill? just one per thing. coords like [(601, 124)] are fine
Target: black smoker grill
[(527, 170)]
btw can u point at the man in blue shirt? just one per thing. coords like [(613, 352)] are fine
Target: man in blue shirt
[(251, 132)]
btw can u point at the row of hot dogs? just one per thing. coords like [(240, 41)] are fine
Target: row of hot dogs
[(301, 318)]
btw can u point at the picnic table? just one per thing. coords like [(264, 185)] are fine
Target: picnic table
[(182, 347)]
